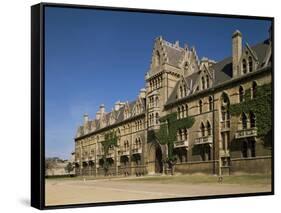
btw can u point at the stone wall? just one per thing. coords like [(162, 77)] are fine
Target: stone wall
[(206, 167), (251, 165)]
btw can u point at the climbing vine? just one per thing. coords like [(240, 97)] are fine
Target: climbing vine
[(110, 139), (261, 106), (167, 134)]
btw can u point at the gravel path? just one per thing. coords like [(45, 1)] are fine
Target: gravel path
[(60, 192)]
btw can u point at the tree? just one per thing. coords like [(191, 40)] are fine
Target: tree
[(69, 168)]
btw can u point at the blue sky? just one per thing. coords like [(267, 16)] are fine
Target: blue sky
[(94, 57)]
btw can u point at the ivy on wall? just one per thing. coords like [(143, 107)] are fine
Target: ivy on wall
[(110, 139), (167, 134), (261, 106)]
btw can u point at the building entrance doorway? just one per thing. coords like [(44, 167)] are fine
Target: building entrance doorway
[(158, 160)]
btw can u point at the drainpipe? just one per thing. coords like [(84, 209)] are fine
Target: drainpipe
[(214, 147)]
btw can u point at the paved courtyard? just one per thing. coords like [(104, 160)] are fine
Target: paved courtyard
[(74, 191)]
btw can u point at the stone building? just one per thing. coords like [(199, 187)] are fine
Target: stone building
[(225, 135)]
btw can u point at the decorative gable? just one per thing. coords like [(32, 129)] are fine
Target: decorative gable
[(249, 60)]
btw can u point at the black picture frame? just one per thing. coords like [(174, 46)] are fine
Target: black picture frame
[(38, 105)]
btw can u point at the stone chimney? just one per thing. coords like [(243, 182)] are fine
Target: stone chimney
[(102, 109), (142, 93), (236, 52), (86, 118), (117, 105), (98, 115)]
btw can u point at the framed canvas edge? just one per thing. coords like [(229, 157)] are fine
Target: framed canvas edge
[(38, 105)]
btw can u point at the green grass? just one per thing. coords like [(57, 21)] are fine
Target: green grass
[(207, 179)]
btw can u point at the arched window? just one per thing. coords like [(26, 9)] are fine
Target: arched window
[(209, 129), (207, 81), (241, 94), (202, 129), (203, 82), (184, 90), (185, 134), (252, 120), (210, 103), (156, 101), (183, 111), (244, 66), (181, 92), (186, 110), (180, 135), (179, 112), (152, 119), (250, 61), (157, 118), (254, 89), (200, 106), (244, 121)]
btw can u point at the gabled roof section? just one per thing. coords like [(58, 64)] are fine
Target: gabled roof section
[(191, 83), (222, 70)]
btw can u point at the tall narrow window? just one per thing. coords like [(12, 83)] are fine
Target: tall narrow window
[(244, 121), (181, 92), (183, 111), (179, 112), (203, 82), (200, 106), (180, 135), (241, 94), (184, 90), (250, 61), (252, 120), (157, 118), (186, 110), (202, 129), (254, 89), (185, 134), (244, 66), (207, 81), (209, 129), (210, 103)]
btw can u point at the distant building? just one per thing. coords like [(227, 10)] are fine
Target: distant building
[(56, 167), (217, 139)]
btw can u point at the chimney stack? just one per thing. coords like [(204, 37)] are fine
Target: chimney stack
[(86, 118), (142, 93), (117, 105), (98, 115), (102, 109), (236, 52)]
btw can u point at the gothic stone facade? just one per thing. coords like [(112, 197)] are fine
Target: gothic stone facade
[(178, 82)]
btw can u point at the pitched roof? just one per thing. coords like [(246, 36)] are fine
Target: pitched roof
[(174, 54), (223, 69)]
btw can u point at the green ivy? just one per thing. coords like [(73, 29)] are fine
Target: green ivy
[(261, 106), (110, 139), (167, 134)]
